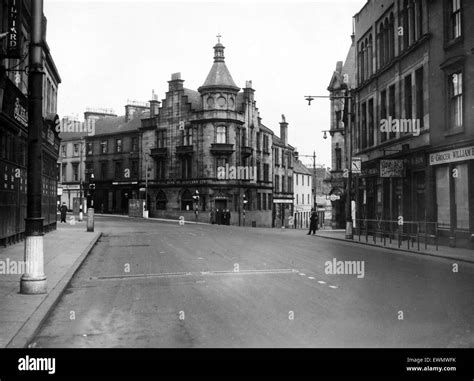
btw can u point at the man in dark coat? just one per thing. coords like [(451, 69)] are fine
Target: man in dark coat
[(63, 211), (313, 222)]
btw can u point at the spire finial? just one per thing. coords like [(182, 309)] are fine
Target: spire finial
[(219, 38)]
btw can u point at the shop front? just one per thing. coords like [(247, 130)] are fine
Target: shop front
[(452, 174)]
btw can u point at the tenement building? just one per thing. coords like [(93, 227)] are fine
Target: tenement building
[(412, 116), (208, 152), (283, 159), (112, 156), (16, 18)]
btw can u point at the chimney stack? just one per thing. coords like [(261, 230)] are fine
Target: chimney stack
[(154, 104), (248, 91), (176, 82), (284, 130)]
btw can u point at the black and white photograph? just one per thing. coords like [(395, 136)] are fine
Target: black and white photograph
[(237, 175)]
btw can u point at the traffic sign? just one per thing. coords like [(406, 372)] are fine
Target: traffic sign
[(356, 165)]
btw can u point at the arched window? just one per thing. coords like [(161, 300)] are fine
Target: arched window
[(244, 137), (380, 47), (411, 19), (406, 25), (366, 60), (187, 200), (386, 40), (370, 55), (221, 134), (161, 200), (419, 19), (391, 36)]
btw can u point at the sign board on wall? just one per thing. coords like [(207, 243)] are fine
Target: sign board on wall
[(460, 154), (392, 168), (14, 29), (356, 166)]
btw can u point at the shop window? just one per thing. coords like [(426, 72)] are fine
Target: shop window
[(461, 196), (442, 196)]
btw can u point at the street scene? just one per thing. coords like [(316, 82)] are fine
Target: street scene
[(237, 175)]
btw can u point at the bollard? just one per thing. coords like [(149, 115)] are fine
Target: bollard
[(90, 219)]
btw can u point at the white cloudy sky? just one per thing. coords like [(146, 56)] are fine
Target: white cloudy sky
[(110, 51)]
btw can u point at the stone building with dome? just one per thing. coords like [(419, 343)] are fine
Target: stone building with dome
[(207, 150)]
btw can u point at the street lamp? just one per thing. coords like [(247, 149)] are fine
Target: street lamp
[(244, 202), (348, 141), (147, 154), (196, 204)]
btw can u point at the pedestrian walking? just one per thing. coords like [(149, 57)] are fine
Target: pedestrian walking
[(212, 216), (63, 211), (227, 217), (313, 222)]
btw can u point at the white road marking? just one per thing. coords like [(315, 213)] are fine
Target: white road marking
[(302, 274), (333, 286), (321, 282), (311, 277)]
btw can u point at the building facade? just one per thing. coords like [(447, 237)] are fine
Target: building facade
[(412, 116), (72, 156), (208, 143), (283, 161), (302, 194), (14, 124), (112, 156), (343, 80), (450, 159)]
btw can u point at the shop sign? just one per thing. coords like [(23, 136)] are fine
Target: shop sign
[(356, 165), (459, 154), (392, 168), (14, 29), (20, 113)]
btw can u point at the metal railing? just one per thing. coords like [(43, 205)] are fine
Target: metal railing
[(413, 232)]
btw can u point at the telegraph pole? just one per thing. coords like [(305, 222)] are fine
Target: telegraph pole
[(33, 281), (348, 142)]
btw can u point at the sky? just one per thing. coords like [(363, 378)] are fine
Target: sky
[(109, 52)]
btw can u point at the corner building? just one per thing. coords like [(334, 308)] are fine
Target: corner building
[(191, 134)]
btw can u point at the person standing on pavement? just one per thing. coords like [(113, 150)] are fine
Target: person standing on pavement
[(63, 211), (313, 222)]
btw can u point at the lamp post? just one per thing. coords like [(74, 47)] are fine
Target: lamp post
[(196, 204), (244, 202), (348, 141), (33, 281), (147, 168)]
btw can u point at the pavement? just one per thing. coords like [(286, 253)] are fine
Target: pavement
[(64, 251), (454, 253)]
